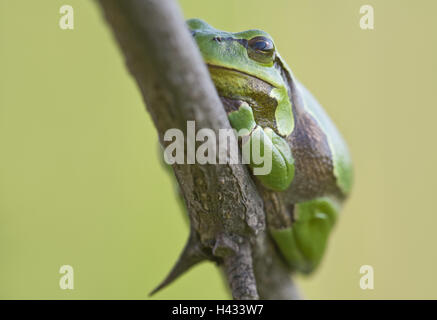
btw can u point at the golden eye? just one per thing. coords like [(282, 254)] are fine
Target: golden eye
[(261, 44), (261, 49)]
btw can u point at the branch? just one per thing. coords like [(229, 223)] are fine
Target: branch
[(226, 212)]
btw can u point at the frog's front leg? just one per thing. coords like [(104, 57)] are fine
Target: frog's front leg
[(276, 168), (303, 244)]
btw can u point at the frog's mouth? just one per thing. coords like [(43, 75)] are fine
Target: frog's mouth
[(232, 83), (217, 68), (235, 86)]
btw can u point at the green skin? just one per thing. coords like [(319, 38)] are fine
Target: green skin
[(311, 172)]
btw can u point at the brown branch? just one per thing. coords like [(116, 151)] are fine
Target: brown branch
[(226, 212)]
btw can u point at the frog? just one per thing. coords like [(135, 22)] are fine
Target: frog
[(311, 173)]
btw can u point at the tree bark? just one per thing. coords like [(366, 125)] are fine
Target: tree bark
[(226, 212)]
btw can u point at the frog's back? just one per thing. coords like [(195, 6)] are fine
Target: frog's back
[(322, 162)]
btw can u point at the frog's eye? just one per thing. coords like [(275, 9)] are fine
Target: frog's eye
[(261, 49), (261, 44)]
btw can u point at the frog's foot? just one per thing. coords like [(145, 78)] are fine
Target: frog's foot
[(303, 244), (267, 153)]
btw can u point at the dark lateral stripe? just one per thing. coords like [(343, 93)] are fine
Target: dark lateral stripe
[(243, 42)]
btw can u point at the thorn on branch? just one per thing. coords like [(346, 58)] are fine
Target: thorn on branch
[(190, 256)]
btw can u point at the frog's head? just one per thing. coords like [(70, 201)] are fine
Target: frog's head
[(245, 66)]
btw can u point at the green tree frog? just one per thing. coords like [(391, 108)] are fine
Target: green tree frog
[(311, 172)]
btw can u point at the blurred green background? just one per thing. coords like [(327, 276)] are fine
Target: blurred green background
[(80, 181)]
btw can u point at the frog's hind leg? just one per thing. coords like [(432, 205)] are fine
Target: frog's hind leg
[(303, 244)]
